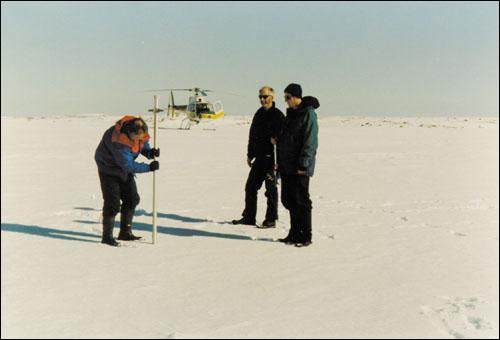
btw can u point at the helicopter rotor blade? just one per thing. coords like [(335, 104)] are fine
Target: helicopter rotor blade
[(163, 90), (232, 94)]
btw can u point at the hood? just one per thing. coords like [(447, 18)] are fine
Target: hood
[(119, 136), (307, 101), (310, 101)]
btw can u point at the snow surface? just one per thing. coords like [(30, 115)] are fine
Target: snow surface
[(405, 230)]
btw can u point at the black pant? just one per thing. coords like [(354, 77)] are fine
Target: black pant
[(295, 198), (114, 190), (261, 167)]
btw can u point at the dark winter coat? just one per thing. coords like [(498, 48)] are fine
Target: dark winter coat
[(298, 141), (113, 157), (265, 124)]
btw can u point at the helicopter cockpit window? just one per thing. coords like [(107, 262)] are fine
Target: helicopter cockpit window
[(202, 108)]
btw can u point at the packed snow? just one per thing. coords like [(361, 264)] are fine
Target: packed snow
[(405, 232)]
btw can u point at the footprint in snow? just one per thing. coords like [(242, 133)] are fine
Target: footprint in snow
[(459, 318)]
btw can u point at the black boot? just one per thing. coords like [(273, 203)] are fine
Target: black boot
[(243, 221), (292, 236), (126, 226), (305, 219), (287, 240), (108, 223), (267, 224), (303, 244)]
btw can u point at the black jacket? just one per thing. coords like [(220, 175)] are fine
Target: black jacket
[(298, 141), (265, 124)]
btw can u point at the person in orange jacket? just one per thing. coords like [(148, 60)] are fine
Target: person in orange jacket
[(116, 157)]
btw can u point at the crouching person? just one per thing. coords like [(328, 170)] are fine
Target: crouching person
[(115, 157)]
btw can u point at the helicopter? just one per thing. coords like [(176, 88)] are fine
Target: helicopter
[(198, 109)]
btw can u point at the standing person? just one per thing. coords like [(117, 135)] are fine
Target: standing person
[(267, 123), (115, 157), (297, 147)]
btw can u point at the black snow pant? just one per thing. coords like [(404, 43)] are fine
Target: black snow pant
[(295, 198), (114, 190), (261, 167)]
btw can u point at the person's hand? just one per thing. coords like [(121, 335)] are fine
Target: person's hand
[(154, 153), (271, 176), (154, 165), (274, 141), (301, 172), (249, 162)]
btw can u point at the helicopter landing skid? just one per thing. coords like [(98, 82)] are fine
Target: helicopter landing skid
[(185, 124)]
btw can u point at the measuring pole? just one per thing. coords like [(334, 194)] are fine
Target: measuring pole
[(155, 111), (275, 164)]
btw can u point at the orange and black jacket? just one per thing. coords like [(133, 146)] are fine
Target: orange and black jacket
[(116, 153)]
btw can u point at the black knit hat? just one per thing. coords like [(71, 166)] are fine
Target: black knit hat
[(294, 89)]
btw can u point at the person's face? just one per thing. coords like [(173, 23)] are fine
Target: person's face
[(141, 132), (266, 99), (292, 101)]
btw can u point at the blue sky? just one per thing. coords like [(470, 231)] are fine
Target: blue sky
[(363, 58)]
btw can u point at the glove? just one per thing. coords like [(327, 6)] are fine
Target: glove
[(271, 176), (154, 165), (153, 153)]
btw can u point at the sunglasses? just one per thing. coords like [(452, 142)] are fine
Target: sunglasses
[(264, 97), (287, 97)]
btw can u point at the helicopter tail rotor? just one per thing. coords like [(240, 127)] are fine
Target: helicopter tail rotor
[(171, 105)]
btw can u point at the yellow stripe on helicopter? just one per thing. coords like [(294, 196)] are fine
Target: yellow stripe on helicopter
[(212, 115)]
